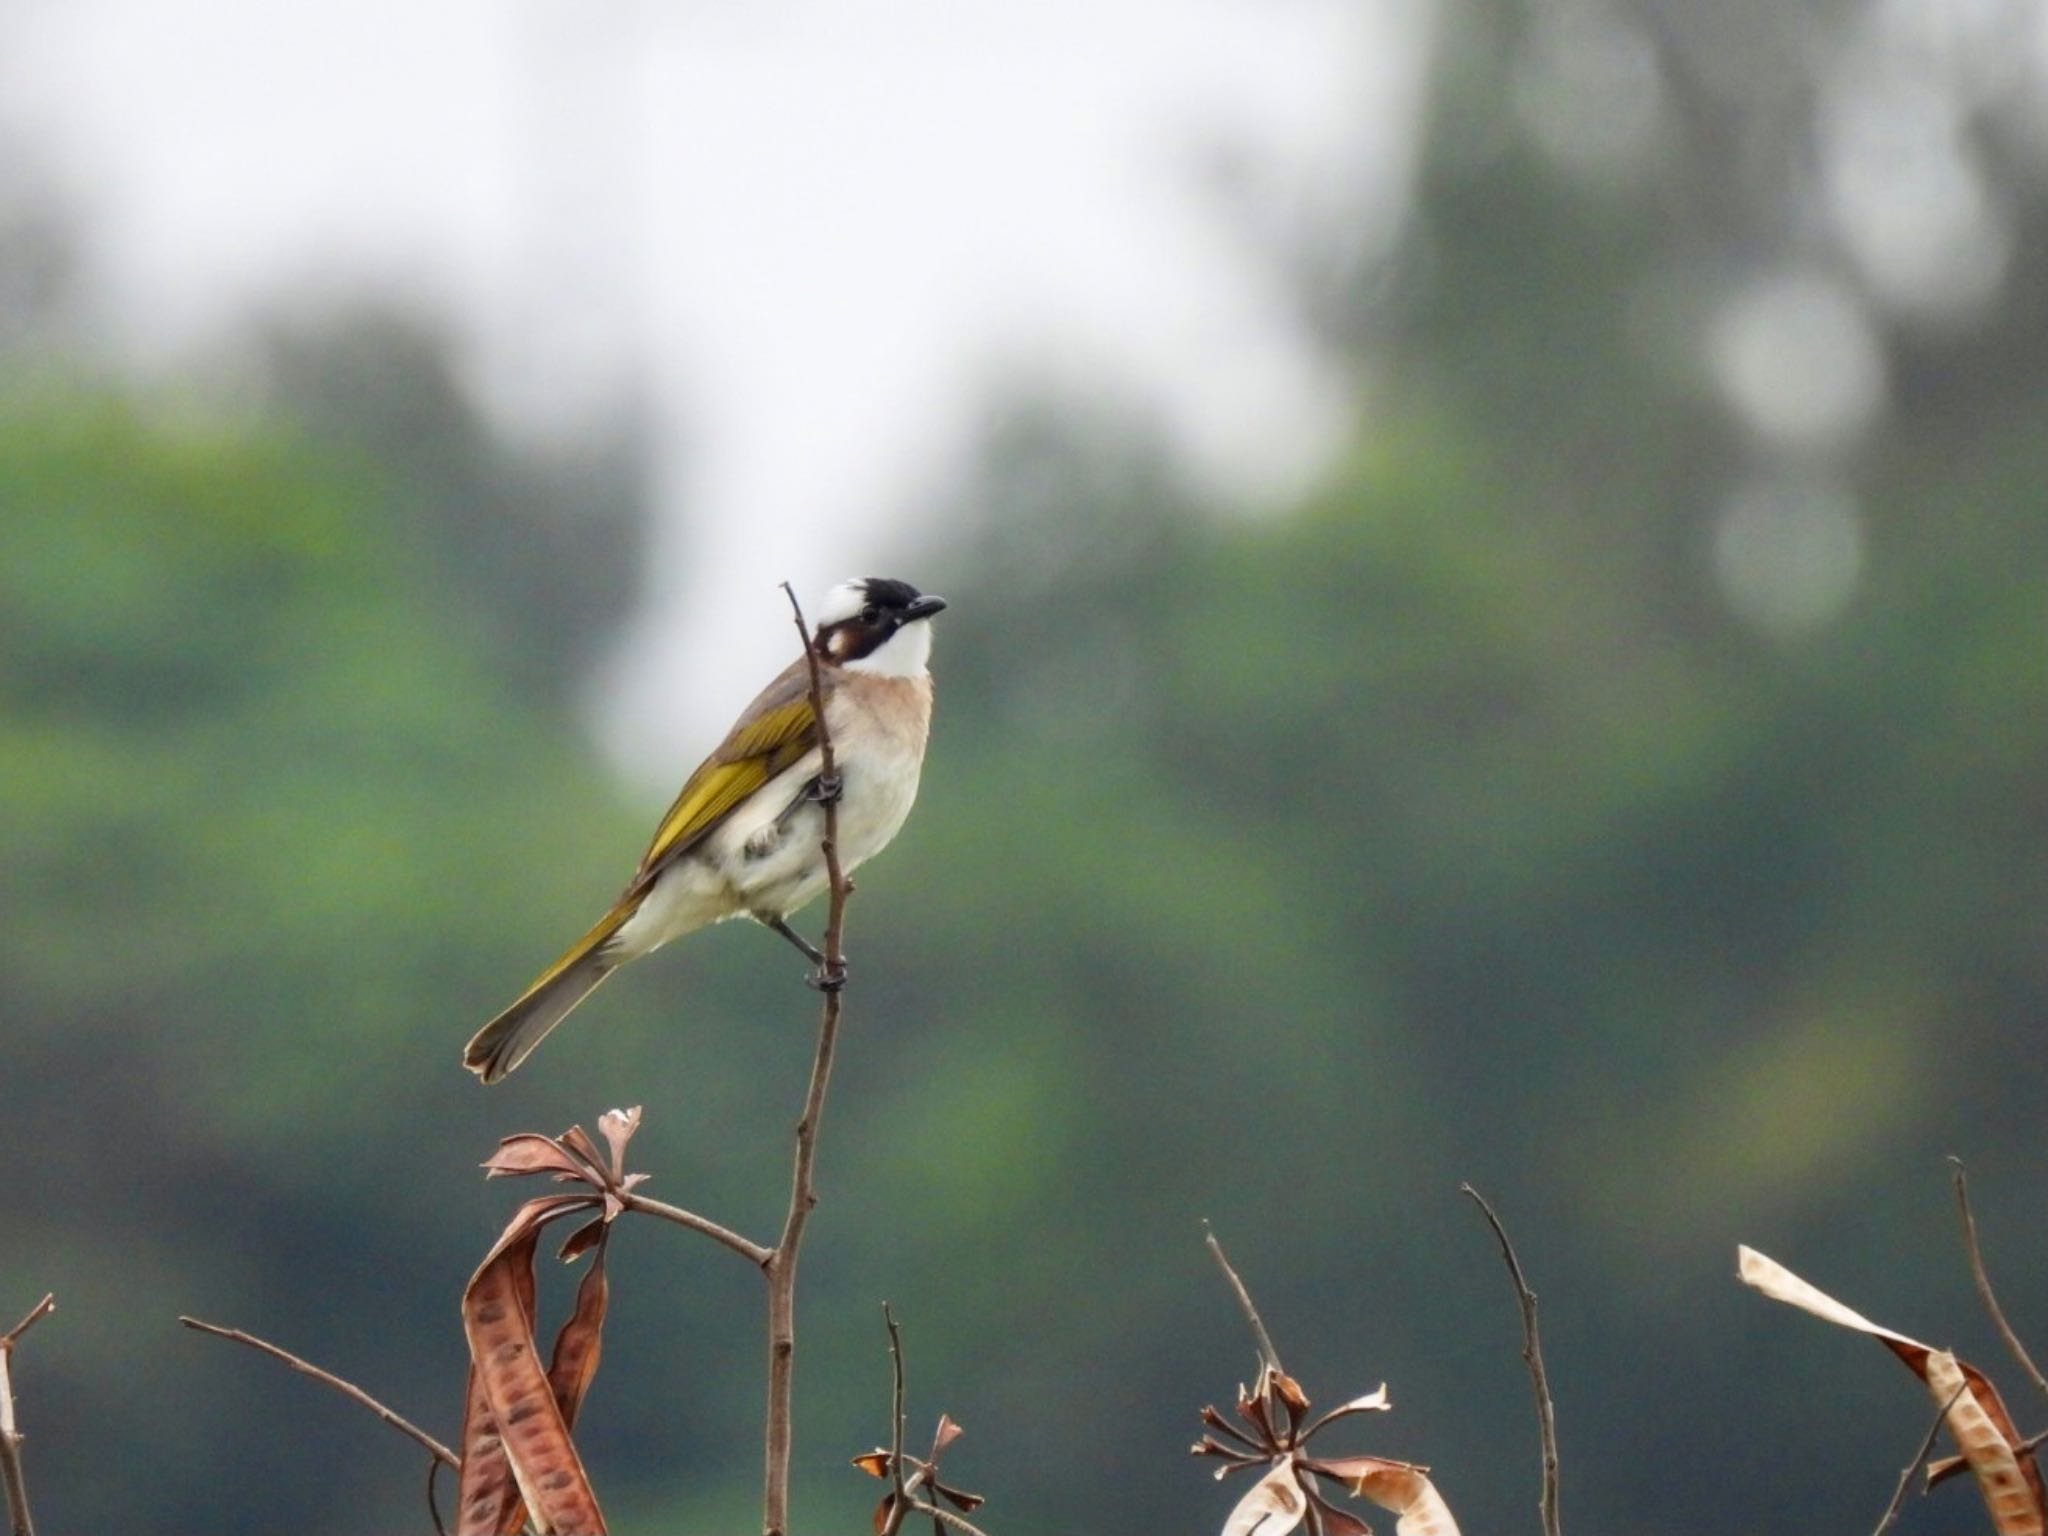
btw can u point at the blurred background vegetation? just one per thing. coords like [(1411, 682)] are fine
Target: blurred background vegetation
[(1619, 782)]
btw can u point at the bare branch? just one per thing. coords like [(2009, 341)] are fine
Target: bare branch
[(1532, 1354), (350, 1390), (901, 1507), (752, 1252), (1891, 1510), (1983, 1279), (36, 1314), (781, 1264), (18, 1515), (946, 1517), (1244, 1299)]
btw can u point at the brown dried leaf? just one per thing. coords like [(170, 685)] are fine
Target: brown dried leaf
[(529, 1153), (1349, 1469), (578, 1141), (946, 1434), (1252, 1407), (1942, 1468), (1763, 1273), (1984, 1433), (1288, 1390), (885, 1514), (487, 1495), (497, 1318), (617, 1126), (874, 1463), (1372, 1402), (1209, 1445), (1338, 1522), (527, 1221), (1977, 1418), (489, 1489), (1408, 1492), (1273, 1506), (583, 1239), (580, 1344)]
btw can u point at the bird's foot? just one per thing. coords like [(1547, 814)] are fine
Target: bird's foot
[(827, 788), (829, 977)]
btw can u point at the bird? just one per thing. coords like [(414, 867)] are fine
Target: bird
[(745, 835)]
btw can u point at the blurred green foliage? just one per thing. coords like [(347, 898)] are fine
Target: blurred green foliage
[(1280, 869)]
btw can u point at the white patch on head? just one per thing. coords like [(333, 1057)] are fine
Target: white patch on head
[(903, 654), (843, 602)]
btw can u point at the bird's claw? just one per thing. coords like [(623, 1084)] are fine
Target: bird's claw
[(827, 788), (829, 977)]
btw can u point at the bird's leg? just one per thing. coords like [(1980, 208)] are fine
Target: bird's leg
[(828, 977), (775, 924), (825, 789)]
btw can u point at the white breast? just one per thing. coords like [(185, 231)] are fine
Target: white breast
[(771, 856), (767, 857)]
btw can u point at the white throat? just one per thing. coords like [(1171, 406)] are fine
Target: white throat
[(904, 654)]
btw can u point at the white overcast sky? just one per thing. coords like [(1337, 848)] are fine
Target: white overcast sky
[(806, 229)]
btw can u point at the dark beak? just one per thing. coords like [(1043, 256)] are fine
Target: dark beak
[(923, 608)]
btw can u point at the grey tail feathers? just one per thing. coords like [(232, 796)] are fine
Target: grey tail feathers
[(509, 1039)]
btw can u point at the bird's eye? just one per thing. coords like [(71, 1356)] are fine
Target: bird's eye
[(869, 614)]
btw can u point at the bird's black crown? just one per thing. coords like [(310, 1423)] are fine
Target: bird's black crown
[(886, 592)]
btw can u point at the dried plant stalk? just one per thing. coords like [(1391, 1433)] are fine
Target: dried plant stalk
[(18, 1514)]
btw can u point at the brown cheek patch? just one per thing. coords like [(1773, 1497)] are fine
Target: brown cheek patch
[(849, 641)]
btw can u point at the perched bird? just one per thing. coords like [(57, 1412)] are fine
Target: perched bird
[(744, 838)]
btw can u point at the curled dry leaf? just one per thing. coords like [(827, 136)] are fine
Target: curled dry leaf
[(488, 1496), (1291, 1487), (489, 1503), (917, 1474), (1372, 1402), (577, 1140), (531, 1153), (1976, 1415), (1338, 1522), (518, 1461), (617, 1126), (1407, 1491), (583, 1239), (1272, 1506), (580, 1344), (497, 1316)]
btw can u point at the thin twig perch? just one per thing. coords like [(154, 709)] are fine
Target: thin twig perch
[(10, 1437), (1532, 1354), (1267, 1353), (1983, 1279), (781, 1263), (347, 1389), (1891, 1510), (751, 1251), (901, 1507), (959, 1523)]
